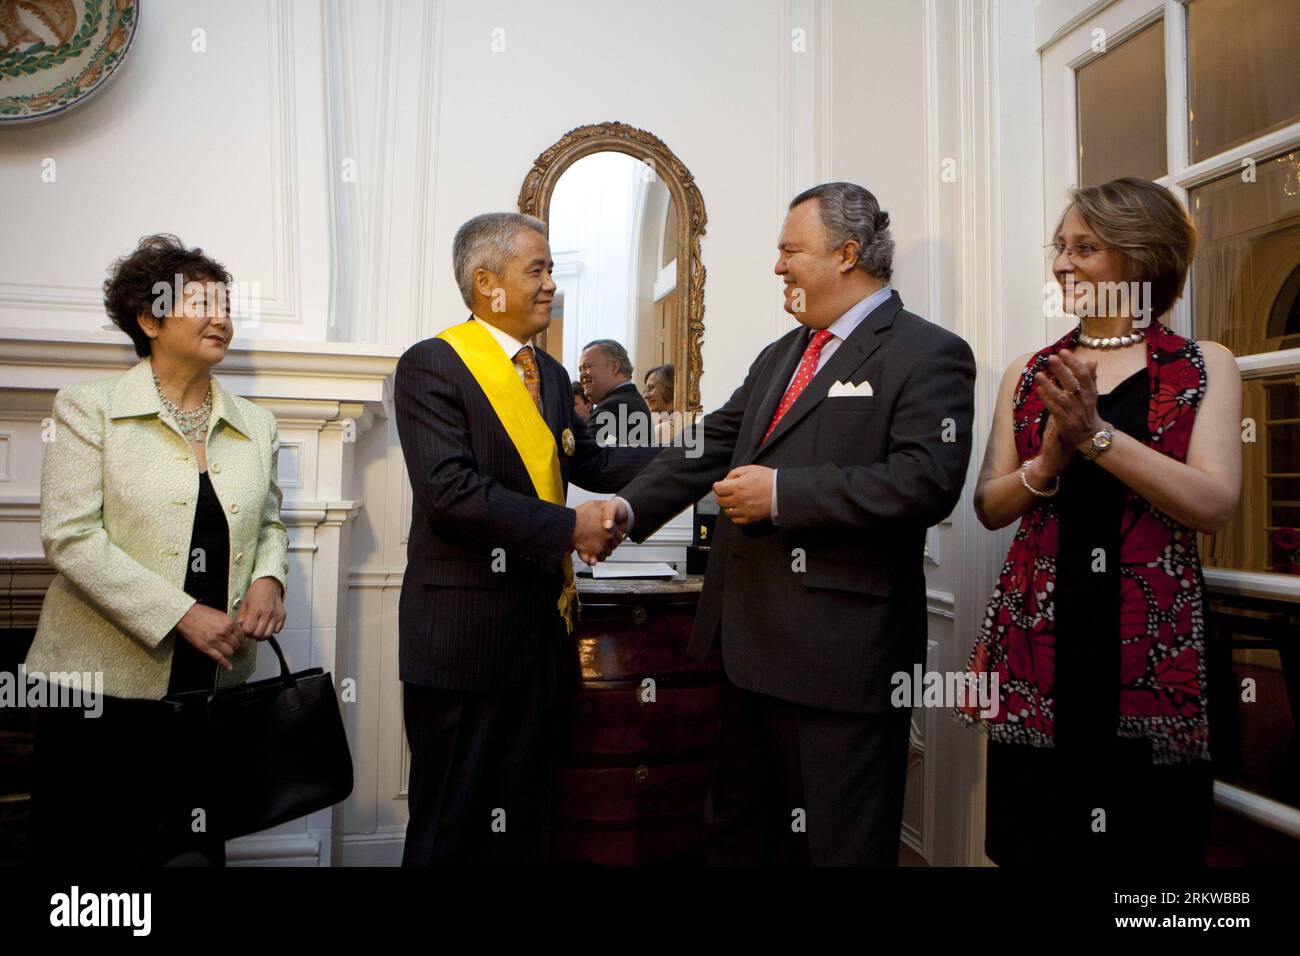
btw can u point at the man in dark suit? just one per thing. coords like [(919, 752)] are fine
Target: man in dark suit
[(619, 414), (849, 438), (491, 441)]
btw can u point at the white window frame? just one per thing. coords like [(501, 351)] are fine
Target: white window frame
[(1063, 54)]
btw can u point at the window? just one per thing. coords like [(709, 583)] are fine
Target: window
[(1243, 71), (1220, 127), (1245, 295), (1121, 110)]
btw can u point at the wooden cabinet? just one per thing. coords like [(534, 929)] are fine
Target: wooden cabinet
[(644, 730)]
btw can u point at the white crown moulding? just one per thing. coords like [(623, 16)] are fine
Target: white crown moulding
[(340, 372)]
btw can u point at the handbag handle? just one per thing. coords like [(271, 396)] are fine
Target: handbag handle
[(285, 675)]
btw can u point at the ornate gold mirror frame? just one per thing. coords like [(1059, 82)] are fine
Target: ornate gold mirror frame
[(688, 324)]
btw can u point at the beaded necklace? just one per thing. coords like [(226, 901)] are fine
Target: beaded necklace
[(192, 422)]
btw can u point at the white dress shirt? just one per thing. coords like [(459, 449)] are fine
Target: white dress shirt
[(509, 344)]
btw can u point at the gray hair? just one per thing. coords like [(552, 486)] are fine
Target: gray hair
[(615, 351), (850, 212), (487, 242)]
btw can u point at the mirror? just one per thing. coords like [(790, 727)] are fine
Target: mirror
[(625, 221)]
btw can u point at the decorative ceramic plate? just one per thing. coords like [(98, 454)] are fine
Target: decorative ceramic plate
[(56, 53)]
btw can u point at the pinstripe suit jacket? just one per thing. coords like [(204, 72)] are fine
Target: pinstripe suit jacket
[(465, 624)]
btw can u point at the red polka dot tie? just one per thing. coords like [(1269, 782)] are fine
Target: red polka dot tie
[(807, 369)]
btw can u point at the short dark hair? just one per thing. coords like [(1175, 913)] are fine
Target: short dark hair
[(129, 288), (850, 212), (615, 351), (580, 392)]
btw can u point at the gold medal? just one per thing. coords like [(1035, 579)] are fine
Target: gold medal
[(569, 442)]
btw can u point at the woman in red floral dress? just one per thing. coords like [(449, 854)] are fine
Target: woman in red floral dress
[(1114, 446)]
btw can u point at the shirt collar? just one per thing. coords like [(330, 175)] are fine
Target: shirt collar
[(509, 344), (136, 394), (843, 327)]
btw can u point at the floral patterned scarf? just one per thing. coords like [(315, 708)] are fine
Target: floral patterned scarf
[(1162, 627)]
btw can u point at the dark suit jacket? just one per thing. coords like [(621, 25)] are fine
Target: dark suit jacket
[(824, 606), (625, 395), (462, 624)]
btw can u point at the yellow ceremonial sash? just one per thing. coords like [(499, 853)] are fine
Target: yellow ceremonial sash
[(497, 375)]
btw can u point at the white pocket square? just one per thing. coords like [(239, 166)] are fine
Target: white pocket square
[(843, 389)]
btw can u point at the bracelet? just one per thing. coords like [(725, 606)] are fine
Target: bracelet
[(1024, 466)]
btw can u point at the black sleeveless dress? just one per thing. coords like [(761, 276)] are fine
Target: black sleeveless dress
[(191, 668), (1094, 797), (207, 581), (121, 791)]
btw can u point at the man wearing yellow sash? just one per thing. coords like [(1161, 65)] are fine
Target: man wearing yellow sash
[(486, 657)]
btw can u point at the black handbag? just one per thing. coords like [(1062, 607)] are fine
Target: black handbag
[(271, 751)]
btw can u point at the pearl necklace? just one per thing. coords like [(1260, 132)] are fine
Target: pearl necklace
[(1111, 342), (192, 422)]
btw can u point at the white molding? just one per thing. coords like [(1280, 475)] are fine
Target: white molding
[(974, 93), (930, 148), (382, 848), (1117, 38), (338, 372), (911, 839), (825, 89), (1229, 161), (666, 281), (283, 304), (1278, 587), (1264, 364), (1176, 123), (804, 105), (1263, 810), (1070, 80), (361, 210), (1055, 19), (374, 302), (785, 94), (293, 849), (314, 514), (380, 579), (941, 604), (339, 139), (422, 239), (51, 298), (20, 508)]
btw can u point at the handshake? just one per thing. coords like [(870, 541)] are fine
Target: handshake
[(600, 528)]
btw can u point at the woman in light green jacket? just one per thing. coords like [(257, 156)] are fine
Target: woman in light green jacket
[(160, 510)]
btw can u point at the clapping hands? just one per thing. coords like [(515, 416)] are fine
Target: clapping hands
[(1070, 394)]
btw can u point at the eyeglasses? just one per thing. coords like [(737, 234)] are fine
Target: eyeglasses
[(1076, 253)]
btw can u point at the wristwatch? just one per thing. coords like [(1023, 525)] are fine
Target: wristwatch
[(1100, 442)]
